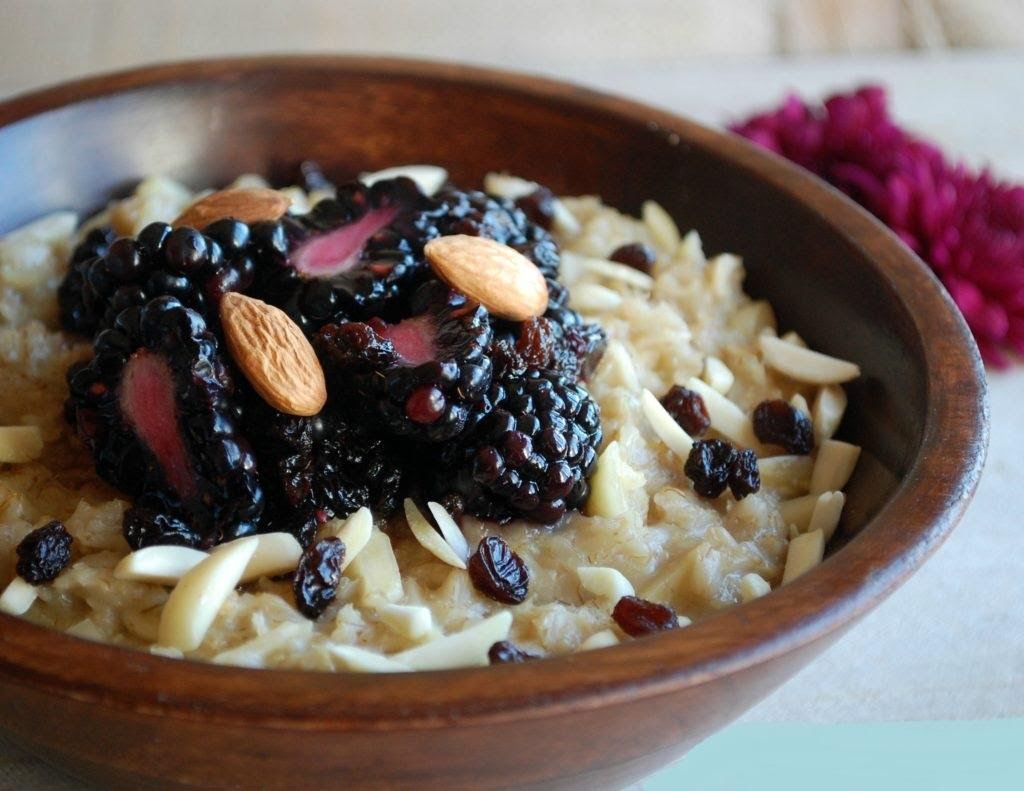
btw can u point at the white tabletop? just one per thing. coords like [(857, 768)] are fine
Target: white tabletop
[(950, 643)]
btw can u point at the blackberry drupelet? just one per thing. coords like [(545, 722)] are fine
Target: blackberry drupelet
[(156, 407), (531, 456), (422, 378)]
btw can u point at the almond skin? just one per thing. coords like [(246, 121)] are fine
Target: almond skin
[(276, 358), (501, 279), (251, 204)]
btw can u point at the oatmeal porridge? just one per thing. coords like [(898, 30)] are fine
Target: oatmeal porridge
[(395, 425)]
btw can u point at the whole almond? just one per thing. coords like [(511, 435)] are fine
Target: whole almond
[(249, 204), (501, 279), (276, 358)]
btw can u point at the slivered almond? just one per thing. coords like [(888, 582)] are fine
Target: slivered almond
[(501, 279), (198, 596), (274, 355), (805, 365), (17, 597), (467, 648), (430, 539), (248, 204), (805, 552)]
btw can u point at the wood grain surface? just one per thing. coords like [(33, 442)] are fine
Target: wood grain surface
[(832, 272)]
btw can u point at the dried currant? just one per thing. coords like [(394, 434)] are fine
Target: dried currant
[(44, 553), (505, 653), (499, 572), (709, 466), (317, 577), (688, 409), (776, 422), (639, 256), (637, 617), (539, 207), (744, 476)]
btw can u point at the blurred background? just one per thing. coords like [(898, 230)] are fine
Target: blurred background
[(42, 41)]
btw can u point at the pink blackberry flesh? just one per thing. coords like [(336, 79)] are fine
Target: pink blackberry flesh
[(156, 406), (422, 377)]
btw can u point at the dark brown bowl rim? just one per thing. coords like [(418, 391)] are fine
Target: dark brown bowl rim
[(890, 547)]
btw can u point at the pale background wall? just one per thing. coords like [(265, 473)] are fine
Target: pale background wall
[(42, 41)]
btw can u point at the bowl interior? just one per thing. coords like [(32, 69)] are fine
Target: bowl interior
[(205, 132), (831, 273)]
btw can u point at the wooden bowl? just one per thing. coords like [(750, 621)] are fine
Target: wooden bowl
[(832, 272)]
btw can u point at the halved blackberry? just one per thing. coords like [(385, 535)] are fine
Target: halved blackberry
[(182, 263), (317, 468), (155, 406), (350, 257), (531, 456), (421, 378)]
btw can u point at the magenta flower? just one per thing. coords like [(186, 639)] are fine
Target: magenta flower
[(967, 225)]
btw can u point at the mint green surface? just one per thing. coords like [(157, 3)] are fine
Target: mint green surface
[(932, 756)]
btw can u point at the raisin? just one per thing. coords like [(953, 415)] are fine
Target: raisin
[(539, 207), (639, 256), (777, 422), (504, 653), (709, 465), (499, 572), (688, 409), (317, 577), (637, 617), (44, 553), (536, 342), (744, 476)]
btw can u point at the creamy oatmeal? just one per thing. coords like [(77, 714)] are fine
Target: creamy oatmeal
[(684, 343)]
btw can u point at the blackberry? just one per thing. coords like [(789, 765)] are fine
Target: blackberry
[(531, 456), (317, 468), (73, 294), (353, 256), (155, 405), (44, 553), (423, 377), (183, 263), (478, 214)]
